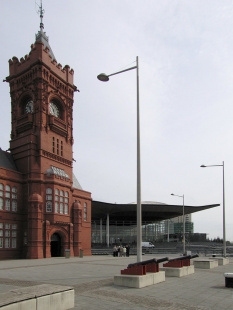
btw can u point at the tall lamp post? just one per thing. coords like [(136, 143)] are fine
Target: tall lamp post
[(183, 222), (104, 78), (223, 206)]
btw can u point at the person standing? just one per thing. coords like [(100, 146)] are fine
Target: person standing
[(114, 251), (124, 251), (127, 250), (121, 250)]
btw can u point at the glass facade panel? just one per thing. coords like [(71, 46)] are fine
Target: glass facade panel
[(125, 232)]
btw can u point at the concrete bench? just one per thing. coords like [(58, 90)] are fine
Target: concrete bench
[(38, 297), (228, 279), (205, 264)]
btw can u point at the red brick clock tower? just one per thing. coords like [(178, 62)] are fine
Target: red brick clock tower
[(54, 212)]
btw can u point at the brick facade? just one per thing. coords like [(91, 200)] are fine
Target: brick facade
[(43, 209)]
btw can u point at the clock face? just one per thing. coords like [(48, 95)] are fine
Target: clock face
[(54, 109), (29, 107)]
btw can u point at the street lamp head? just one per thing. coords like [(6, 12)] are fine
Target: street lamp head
[(103, 77), (203, 166), (172, 194)]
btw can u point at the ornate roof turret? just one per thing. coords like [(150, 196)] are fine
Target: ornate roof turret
[(41, 35)]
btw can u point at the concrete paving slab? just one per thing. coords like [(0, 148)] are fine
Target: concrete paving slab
[(92, 279)]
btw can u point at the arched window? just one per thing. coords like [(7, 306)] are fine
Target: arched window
[(49, 190), (1, 204), (7, 191)]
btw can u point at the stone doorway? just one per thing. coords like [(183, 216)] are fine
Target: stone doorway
[(55, 245)]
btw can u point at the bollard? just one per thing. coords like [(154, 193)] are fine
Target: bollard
[(81, 253), (67, 253)]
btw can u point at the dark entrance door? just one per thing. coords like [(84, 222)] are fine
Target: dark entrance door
[(55, 245)]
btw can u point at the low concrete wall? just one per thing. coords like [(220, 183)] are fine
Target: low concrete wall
[(222, 261), (38, 297), (178, 272), (205, 264), (139, 281)]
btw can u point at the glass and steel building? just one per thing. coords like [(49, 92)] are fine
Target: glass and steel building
[(116, 223)]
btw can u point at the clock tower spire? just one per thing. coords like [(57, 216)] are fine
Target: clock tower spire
[(42, 97), (41, 11)]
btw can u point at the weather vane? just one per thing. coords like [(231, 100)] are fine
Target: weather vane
[(41, 12)]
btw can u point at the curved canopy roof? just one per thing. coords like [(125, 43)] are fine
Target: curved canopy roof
[(151, 211)]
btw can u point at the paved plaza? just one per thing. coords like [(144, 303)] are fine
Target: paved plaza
[(92, 279)]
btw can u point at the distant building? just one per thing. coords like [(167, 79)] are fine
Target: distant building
[(116, 223)]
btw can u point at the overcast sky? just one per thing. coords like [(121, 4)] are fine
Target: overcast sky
[(185, 51)]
